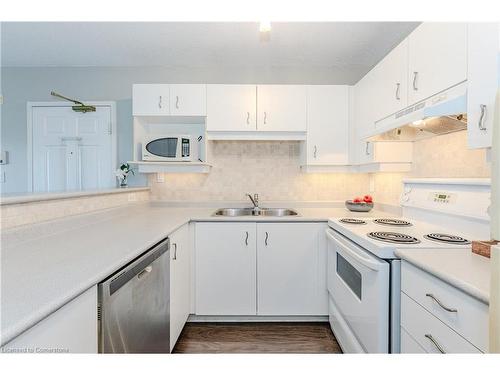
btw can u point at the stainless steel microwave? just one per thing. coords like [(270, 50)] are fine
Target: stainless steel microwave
[(167, 148)]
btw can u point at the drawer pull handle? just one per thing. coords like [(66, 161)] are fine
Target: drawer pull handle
[(436, 344), (449, 309)]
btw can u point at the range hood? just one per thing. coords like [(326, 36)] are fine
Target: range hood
[(440, 114)]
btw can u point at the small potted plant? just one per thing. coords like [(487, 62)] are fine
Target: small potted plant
[(122, 174)]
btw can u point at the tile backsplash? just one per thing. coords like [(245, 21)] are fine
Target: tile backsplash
[(271, 169)]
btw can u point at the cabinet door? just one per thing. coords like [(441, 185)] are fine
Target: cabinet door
[(231, 107), (291, 269), (327, 125), (482, 82), (150, 100), (225, 269), (179, 282), (391, 82), (188, 100), (437, 58), (362, 122), (281, 108), (72, 328)]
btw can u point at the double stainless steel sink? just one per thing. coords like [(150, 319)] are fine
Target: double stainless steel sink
[(250, 211)]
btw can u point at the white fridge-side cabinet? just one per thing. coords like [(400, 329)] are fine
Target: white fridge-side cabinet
[(291, 269), (225, 273), (180, 282), (482, 82)]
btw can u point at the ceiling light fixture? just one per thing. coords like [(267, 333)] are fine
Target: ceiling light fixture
[(265, 31)]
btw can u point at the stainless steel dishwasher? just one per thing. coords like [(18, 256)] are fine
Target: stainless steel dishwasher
[(134, 305)]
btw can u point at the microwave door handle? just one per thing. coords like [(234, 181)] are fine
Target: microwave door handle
[(366, 261)]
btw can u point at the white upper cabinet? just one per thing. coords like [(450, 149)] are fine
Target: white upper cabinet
[(168, 100), (390, 82), (482, 82), (281, 108), (327, 125), (188, 100), (437, 58), (150, 100), (231, 107)]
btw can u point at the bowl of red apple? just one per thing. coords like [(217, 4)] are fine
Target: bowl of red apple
[(358, 204)]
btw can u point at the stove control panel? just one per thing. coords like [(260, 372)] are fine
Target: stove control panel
[(442, 197)]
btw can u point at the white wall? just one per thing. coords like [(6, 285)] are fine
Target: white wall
[(20, 85)]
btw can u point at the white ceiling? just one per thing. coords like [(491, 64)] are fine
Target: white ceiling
[(348, 48)]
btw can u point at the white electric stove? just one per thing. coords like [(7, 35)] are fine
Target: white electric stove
[(363, 271)]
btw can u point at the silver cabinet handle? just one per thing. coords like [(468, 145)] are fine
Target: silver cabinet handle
[(177, 102), (159, 102), (449, 309), (415, 75), (315, 151), (144, 272), (267, 237), (436, 344), (481, 118), (265, 118), (246, 239), (248, 118), (175, 251), (367, 150), (398, 87)]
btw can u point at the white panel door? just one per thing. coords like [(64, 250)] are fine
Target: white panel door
[(391, 82), (327, 124), (71, 329), (188, 100), (291, 269), (437, 58), (281, 108), (180, 282), (150, 100), (231, 107), (71, 150), (482, 82), (225, 264)]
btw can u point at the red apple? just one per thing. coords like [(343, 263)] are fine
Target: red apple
[(357, 200), (368, 199)]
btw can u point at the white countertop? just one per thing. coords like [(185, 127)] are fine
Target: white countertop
[(460, 268), (46, 265)]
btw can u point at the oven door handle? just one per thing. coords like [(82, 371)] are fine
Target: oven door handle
[(352, 250)]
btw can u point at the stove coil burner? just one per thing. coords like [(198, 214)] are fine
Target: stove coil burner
[(393, 222), (447, 238), (352, 221), (393, 237)]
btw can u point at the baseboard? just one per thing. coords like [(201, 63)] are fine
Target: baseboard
[(254, 318)]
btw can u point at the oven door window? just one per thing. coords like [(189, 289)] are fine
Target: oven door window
[(350, 275), (165, 147)]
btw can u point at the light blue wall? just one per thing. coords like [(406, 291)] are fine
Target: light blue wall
[(20, 85)]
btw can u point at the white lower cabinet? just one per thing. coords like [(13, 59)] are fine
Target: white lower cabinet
[(225, 277), (180, 278), (260, 269), (71, 329), (291, 269)]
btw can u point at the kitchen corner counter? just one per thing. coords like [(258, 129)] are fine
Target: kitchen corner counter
[(460, 268), (46, 265)]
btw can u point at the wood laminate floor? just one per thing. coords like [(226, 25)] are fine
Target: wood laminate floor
[(257, 338)]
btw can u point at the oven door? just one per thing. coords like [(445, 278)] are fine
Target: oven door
[(358, 283)]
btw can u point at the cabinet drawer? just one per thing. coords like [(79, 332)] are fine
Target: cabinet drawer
[(408, 344), (471, 318), (429, 331)]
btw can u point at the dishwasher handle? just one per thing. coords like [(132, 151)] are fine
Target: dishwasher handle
[(139, 267)]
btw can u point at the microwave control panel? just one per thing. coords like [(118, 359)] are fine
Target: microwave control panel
[(185, 147)]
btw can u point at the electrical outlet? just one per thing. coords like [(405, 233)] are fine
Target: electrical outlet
[(160, 178)]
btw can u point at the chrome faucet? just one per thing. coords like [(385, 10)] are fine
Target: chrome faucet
[(254, 199)]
